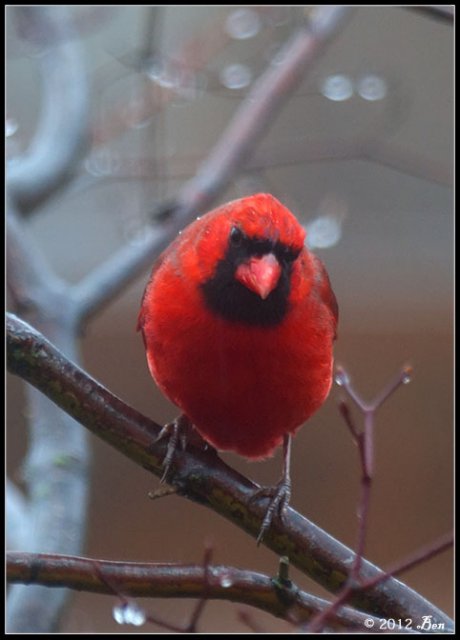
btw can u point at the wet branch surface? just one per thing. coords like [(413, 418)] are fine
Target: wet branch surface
[(214, 582)]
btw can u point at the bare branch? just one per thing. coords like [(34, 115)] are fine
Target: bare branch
[(421, 555), (214, 582), (230, 154), (365, 441), (201, 476), (62, 128)]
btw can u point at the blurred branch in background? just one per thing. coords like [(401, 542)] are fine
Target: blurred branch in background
[(230, 154), (56, 468), (62, 130), (438, 12), (57, 463)]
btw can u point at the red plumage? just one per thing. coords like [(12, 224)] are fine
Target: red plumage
[(238, 321)]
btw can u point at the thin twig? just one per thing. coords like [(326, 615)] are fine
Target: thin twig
[(207, 572), (365, 443), (423, 554)]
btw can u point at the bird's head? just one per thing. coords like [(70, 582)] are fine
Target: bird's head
[(247, 256)]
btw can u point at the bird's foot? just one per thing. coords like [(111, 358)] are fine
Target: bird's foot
[(180, 432), (176, 432), (279, 496)]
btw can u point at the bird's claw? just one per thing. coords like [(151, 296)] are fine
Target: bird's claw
[(280, 495), (176, 432)]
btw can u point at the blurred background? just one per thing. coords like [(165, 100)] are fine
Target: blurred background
[(362, 154)]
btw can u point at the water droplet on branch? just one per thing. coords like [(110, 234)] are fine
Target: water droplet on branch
[(341, 377), (225, 580), (129, 613), (406, 375)]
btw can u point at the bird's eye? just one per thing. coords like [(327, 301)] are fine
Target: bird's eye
[(236, 237), (288, 254)]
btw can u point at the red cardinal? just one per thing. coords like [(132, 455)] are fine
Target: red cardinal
[(238, 321)]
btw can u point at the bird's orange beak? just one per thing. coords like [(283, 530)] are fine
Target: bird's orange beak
[(260, 274)]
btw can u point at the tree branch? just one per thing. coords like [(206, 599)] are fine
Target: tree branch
[(148, 580), (201, 476), (365, 442)]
